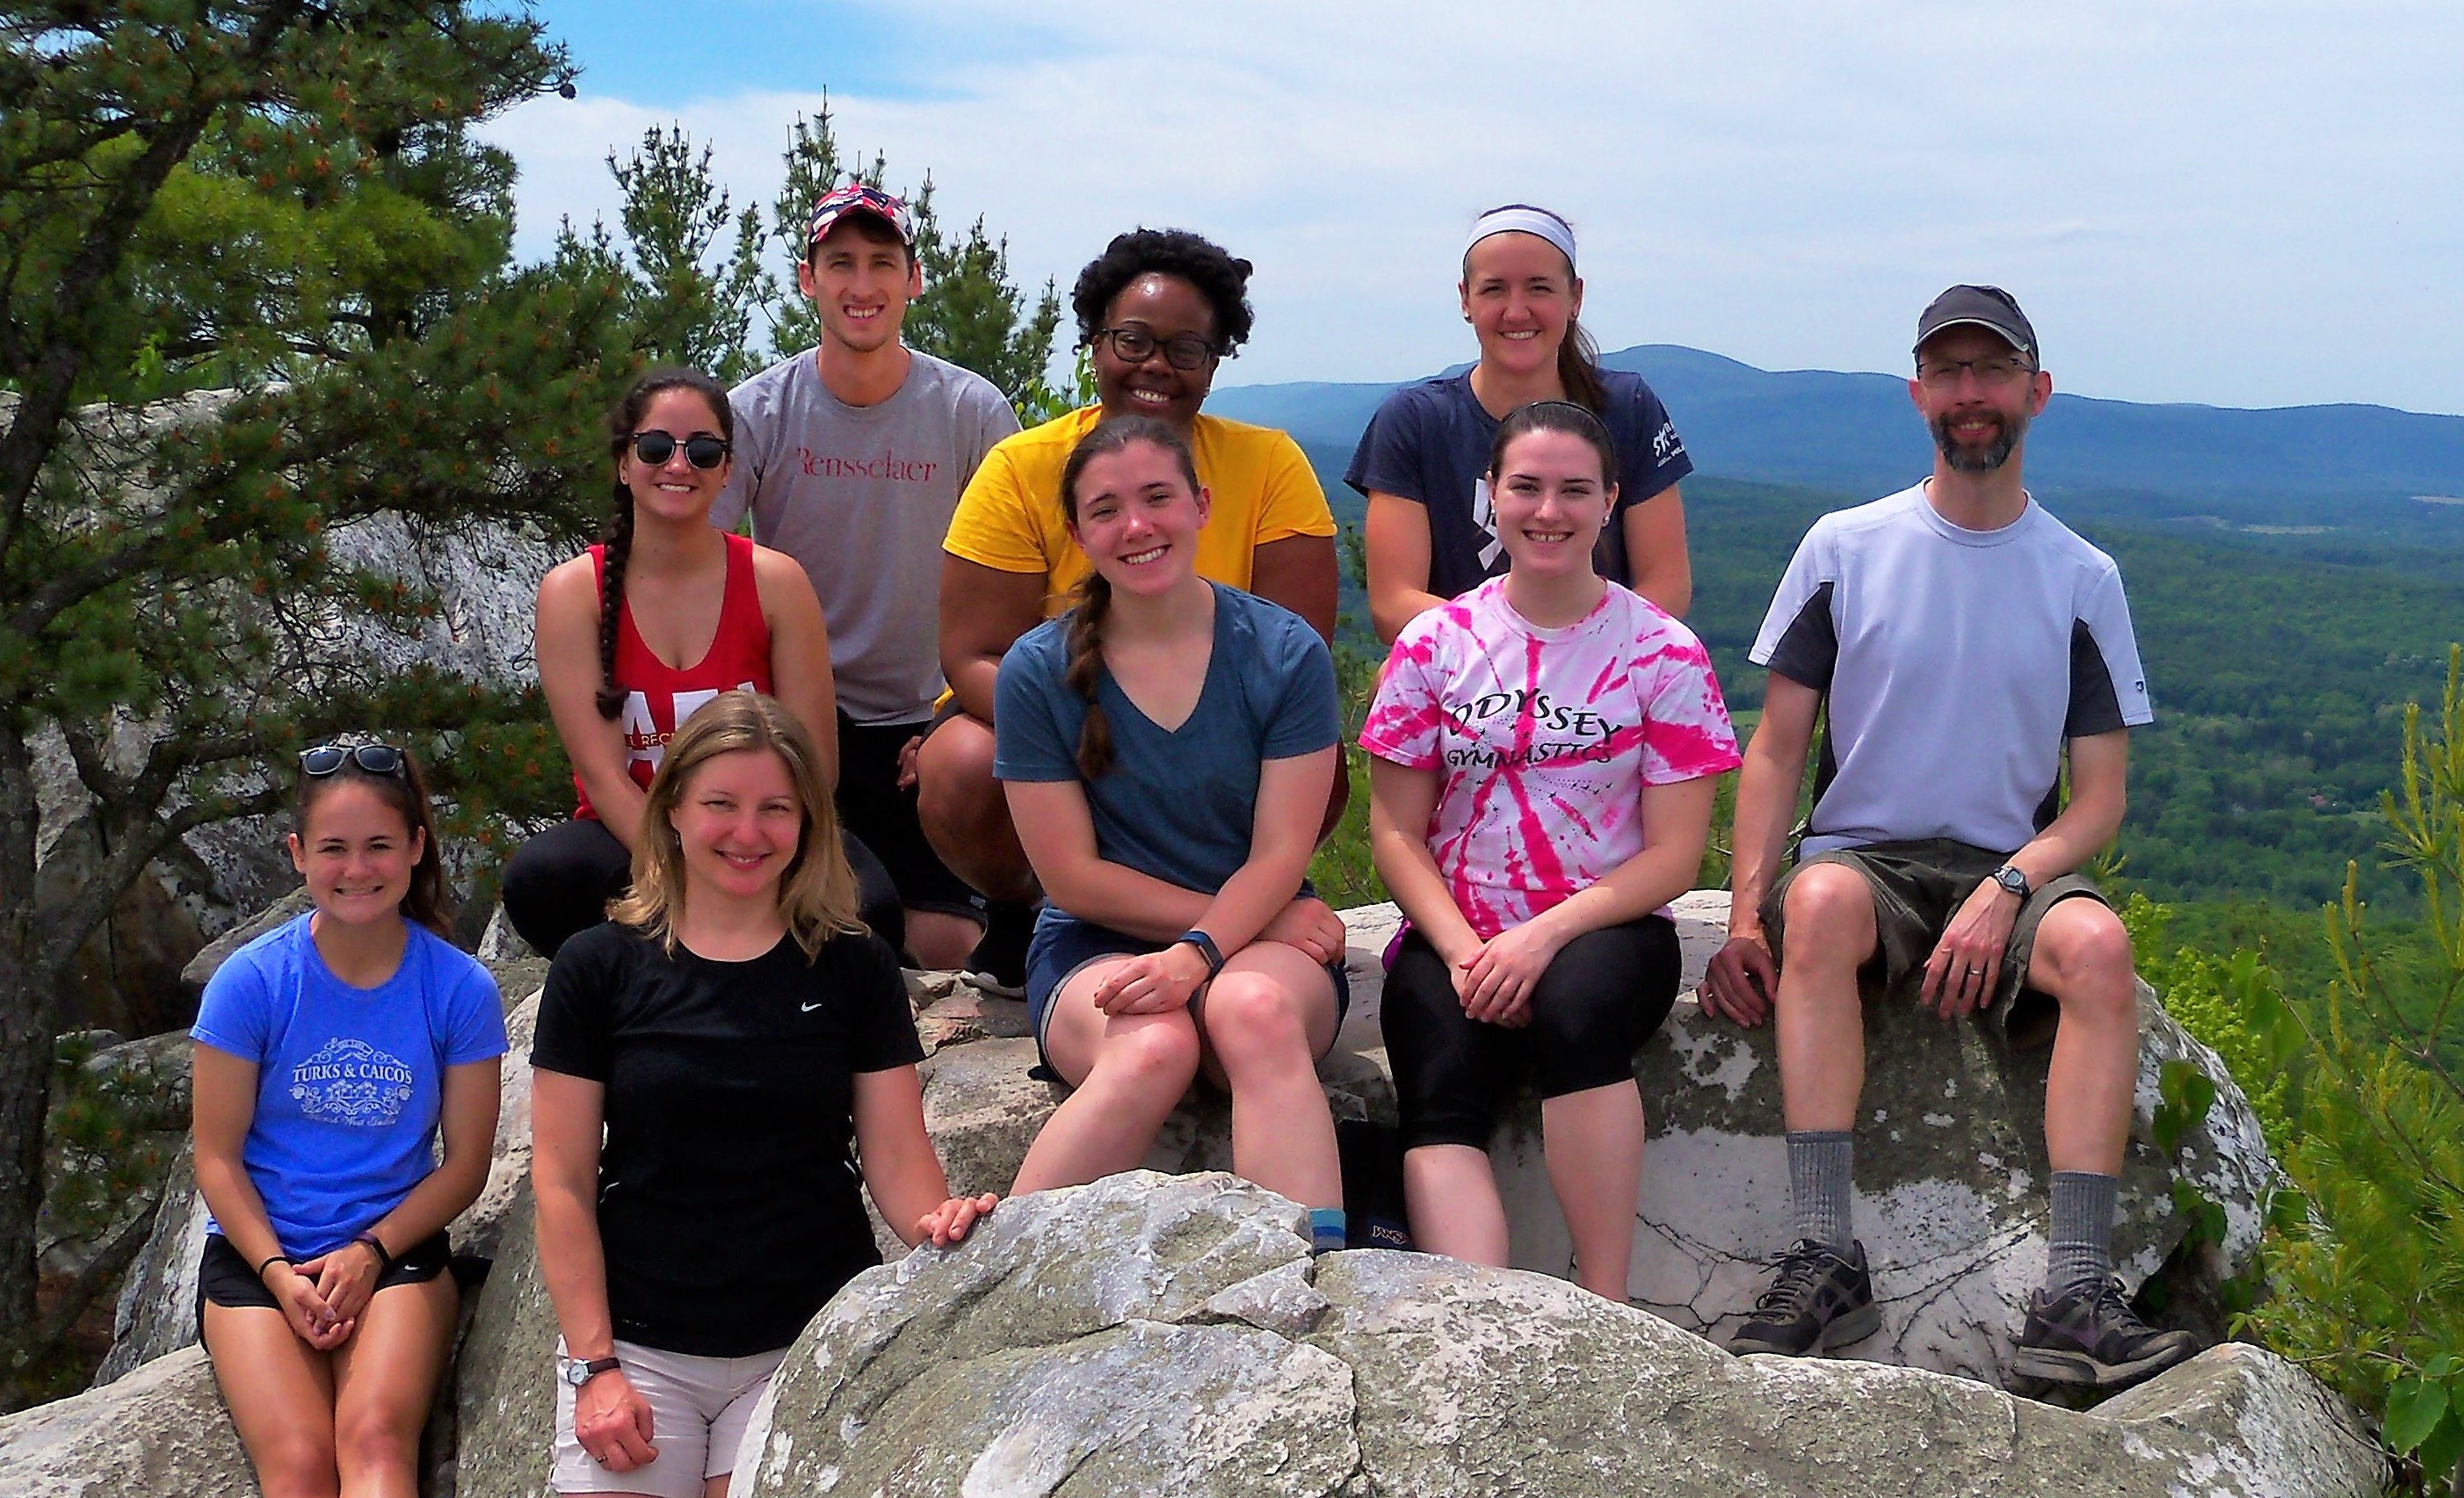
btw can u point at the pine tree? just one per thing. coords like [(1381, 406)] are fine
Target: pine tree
[(284, 201)]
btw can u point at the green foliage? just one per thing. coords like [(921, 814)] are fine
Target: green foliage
[(2212, 997), (2369, 1282)]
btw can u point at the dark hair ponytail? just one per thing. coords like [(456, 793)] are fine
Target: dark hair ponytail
[(1579, 368), (619, 537), (1092, 598), (426, 902)]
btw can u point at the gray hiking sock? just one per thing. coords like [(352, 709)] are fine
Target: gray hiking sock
[(2082, 1233), (1818, 1164)]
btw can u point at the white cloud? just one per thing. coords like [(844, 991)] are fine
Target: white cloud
[(2239, 203)]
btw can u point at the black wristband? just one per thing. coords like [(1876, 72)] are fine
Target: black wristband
[(272, 1258), (1207, 950), (384, 1259)]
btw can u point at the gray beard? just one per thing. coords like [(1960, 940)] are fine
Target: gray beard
[(1974, 460)]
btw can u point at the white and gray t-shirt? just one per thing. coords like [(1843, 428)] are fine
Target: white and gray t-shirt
[(1955, 664), (862, 495)]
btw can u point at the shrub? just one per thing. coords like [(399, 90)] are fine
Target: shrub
[(2367, 1267)]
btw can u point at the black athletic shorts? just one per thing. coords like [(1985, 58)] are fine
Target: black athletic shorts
[(231, 1282), (877, 810), (1603, 995)]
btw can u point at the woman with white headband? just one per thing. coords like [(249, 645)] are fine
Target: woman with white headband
[(1432, 532)]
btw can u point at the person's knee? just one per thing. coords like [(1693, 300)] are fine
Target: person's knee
[(376, 1440), (1829, 914), (1251, 1021), (298, 1463), (954, 780), (1159, 1055), (2082, 957)]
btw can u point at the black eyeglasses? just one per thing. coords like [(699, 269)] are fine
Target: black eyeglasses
[(1135, 346), (325, 760), (701, 448), (1943, 374)]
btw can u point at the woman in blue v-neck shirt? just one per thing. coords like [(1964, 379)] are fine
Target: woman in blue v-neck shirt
[(1167, 746)]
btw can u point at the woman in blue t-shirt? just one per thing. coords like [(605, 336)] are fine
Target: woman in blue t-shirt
[(1423, 460), (331, 1053), (1167, 748)]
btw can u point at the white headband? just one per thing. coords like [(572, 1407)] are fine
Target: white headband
[(1521, 219)]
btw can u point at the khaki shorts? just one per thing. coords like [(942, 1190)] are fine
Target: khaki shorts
[(699, 1409), (1917, 887)]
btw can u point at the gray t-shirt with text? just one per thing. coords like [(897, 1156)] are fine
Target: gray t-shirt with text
[(862, 495)]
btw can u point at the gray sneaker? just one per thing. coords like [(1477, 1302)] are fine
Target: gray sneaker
[(1817, 1300), (2088, 1336)]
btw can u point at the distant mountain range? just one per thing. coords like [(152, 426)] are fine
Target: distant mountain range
[(1855, 433)]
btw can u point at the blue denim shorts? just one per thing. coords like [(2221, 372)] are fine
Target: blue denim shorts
[(1063, 944)]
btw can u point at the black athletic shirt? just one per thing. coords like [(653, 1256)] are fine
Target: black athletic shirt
[(728, 1203)]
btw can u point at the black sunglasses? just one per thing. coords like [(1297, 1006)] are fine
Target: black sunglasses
[(701, 448), (325, 759)]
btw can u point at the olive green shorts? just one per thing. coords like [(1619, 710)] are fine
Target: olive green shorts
[(1917, 887)]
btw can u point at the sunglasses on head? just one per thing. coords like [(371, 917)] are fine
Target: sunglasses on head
[(326, 759), (701, 448)]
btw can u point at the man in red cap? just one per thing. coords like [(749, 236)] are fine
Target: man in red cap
[(1957, 641), (850, 457)]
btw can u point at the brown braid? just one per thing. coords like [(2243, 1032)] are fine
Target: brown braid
[(1092, 598), (621, 422), (611, 601)]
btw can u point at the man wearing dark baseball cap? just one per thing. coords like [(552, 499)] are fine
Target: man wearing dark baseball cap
[(851, 456), (1961, 641)]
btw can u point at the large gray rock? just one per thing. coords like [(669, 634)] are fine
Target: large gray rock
[(1162, 1336), (480, 1229), (504, 1394), (1951, 1173), (160, 1430), (156, 1314)]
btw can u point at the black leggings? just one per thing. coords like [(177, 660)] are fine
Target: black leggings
[(1602, 995), (559, 883)]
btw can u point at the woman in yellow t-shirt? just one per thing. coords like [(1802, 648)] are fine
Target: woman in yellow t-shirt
[(1158, 310)]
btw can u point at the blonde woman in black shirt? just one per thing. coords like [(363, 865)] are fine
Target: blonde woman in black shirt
[(734, 1030)]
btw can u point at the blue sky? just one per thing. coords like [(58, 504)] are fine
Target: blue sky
[(2244, 202)]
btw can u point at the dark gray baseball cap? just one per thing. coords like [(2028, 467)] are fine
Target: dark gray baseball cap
[(1987, 307)]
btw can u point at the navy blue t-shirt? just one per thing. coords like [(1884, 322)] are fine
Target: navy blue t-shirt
[(1429, 443), (1179, 806)]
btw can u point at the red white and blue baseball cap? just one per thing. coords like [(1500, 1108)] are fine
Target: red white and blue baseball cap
[(857, 197)]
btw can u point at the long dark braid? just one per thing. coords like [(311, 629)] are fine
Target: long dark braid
[(619, 539), (1091, 600)]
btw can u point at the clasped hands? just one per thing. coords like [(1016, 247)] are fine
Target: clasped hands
[(322, 1298), (1168, 980)]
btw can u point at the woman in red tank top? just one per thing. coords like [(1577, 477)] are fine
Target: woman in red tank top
[(639, 631)]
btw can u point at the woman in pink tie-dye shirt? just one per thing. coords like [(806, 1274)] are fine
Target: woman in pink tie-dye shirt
[(1543, 752)]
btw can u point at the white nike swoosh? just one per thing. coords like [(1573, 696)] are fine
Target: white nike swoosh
[(817, 1003)]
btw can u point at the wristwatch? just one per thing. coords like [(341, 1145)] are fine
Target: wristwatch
[(2009, 877), (577, 1372)]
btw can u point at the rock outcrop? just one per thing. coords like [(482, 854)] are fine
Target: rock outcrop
[(161, 1431), (1172, 1336)]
